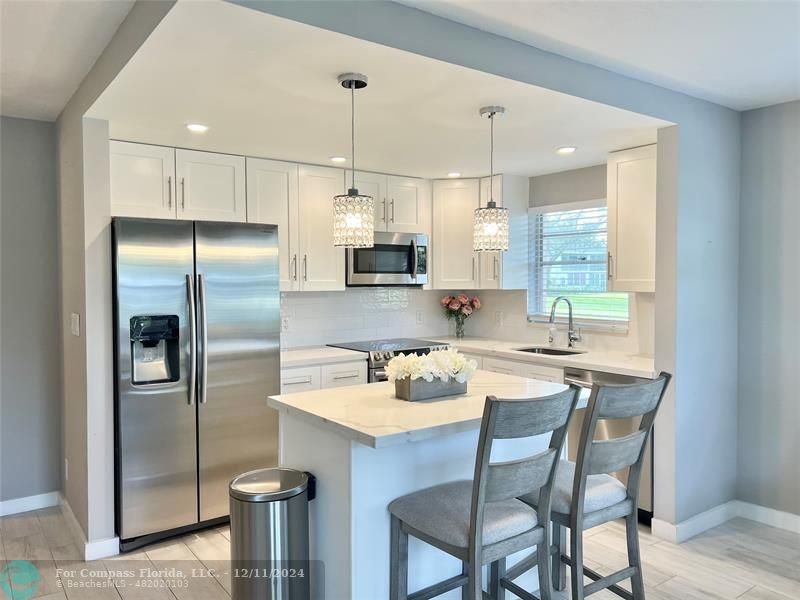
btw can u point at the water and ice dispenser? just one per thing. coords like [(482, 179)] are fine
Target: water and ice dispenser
[(154, 349)]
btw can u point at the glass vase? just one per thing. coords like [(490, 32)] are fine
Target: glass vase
[(460, 326)]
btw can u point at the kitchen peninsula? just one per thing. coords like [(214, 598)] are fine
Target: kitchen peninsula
[(367, 448)]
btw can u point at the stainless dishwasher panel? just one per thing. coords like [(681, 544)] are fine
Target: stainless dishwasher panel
[(608, 428)]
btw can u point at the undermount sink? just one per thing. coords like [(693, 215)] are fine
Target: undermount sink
[(550, 351)]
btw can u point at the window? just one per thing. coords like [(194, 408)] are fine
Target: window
[(569, 254)]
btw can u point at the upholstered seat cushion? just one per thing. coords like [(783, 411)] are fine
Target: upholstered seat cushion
[(443, 512), (602, 491)]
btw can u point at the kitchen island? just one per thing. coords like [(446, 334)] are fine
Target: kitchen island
[(367, 448)]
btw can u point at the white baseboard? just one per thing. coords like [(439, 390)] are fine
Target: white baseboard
[(720, 514), (91, 550), (29, 503), (768, 516)]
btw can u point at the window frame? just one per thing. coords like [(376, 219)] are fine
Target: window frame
[(617, 325)]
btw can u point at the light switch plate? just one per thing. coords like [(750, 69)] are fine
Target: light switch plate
[(75, 324)]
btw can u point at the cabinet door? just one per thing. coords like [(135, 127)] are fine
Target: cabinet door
[(491, 264), (543, 373), (632, 220), (343, 374), (373, 184), (321, 264), (455, 263), (300, 379), (409, 199), (498, 365), (142, 180), (272, 198), (211, 186)]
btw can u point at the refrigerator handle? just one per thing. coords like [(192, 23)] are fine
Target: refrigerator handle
[(201, 301), (192, 359)]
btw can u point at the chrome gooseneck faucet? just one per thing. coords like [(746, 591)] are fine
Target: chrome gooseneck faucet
[(573, 335)]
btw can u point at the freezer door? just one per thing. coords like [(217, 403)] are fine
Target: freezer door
[(238, 311), (156, 441)]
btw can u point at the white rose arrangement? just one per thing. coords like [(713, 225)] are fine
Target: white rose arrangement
[(439, 364)]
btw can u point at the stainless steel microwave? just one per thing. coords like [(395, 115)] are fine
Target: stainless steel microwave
[(395, 259)]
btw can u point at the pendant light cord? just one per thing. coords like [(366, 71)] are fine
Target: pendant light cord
[(491, 159), (353, 130)]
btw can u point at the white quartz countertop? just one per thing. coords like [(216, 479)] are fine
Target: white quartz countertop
[(592, 360), (318, 355), (371, 415)]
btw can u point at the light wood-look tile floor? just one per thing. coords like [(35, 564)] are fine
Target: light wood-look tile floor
[(738, 560)]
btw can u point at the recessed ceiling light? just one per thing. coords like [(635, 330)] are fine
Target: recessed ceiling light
[(454, 174), (566, 149), (197, 127), (338, 159)]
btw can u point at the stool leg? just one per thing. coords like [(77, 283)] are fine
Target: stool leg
[(576, 570), (497, 571), (465, 587), (543, 559), (634, 556), (398, 565), (474, 588), (559, 568)]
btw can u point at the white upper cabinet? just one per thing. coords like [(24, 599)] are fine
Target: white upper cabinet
[(632, 220), (409, 205), (321, 265), (272, 198), (455, 264), (373, 184), (142, 180), (211, 186)]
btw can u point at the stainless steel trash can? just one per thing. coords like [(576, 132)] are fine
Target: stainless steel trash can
[(269, 535)]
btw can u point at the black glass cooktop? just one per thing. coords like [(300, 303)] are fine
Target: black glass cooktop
[(384, 345)]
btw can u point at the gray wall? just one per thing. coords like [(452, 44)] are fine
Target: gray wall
[(30, 344), (769, 300), (576, 185), (697, 247)]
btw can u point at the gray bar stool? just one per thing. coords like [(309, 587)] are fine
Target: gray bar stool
[(585, 495), (482, 521)]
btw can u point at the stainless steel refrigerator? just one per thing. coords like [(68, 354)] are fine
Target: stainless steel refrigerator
[(197, 313)]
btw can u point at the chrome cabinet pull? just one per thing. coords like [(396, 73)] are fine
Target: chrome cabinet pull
[(305, 267), (392, 205), (294, 267), (473, 269), (384, 210), (609, 266), (495, 267), (192, 358), (201, 300), (169, 191), (351, 376), (305, 381), (183, 194)]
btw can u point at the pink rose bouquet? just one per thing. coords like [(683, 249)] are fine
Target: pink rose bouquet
[(459, 308)]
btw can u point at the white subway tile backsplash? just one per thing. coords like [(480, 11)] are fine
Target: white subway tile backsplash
[(319, 318)]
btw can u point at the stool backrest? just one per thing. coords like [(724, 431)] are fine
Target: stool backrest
[(509, 419), (609, 455)]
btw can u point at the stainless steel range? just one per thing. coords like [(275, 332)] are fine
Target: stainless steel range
[(382, 351)]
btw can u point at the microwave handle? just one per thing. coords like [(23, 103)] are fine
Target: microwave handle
[(414, 259)]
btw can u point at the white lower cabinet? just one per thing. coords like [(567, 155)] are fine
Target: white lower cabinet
[(316, 377), (300, 379), (344, 374), (521, 369), (476, 357)]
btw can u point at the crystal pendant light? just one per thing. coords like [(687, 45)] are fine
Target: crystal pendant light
[(353, 213), (490, 231)]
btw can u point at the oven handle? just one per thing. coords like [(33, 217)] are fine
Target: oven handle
[(379, 375), (415, 259)]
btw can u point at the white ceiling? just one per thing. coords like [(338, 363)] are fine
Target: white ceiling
[(267, 87), (742, 54), (46, 49)]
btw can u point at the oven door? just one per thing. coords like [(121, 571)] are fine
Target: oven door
[(395, 259)]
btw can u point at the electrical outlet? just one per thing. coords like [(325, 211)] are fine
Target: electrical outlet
[(75, 324), (66, 469), (420, 317), (498, 317), (284, 324)]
